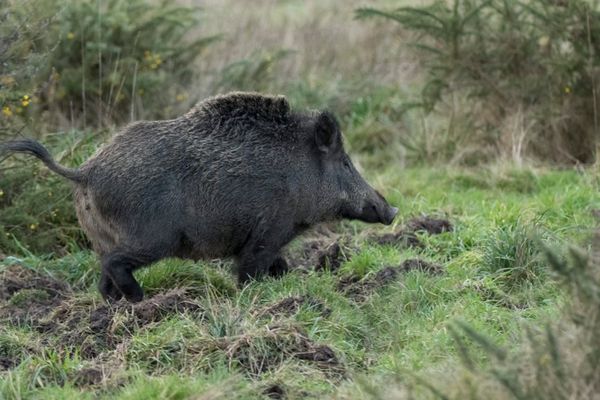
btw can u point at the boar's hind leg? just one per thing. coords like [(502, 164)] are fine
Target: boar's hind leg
[(119, 266)]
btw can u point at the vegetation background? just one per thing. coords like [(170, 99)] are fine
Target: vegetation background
[(479, 118)]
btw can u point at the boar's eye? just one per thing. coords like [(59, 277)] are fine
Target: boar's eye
[(347, 164)]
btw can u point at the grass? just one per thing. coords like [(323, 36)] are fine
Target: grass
[(199, 335)]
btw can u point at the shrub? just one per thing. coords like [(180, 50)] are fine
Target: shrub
[(539, 58), (22, 57), (36, 208), (103, 61), (559, 361)]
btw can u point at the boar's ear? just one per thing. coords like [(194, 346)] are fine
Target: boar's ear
[(327, 133)]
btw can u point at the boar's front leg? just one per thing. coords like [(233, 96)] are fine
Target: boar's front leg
[(260, 255), (256, 262), (279, 267)]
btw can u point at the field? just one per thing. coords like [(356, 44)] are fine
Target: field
[(485, 286), (363, 305)]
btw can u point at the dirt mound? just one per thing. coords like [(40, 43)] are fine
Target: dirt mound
[(260, 353), (101, 330), (27, 296), (433, 226), (157, 307), (78, 322), (290, 306), (275, 391), (407, 235), (320, 255), (7, 363), (15, 278), (360, 289)]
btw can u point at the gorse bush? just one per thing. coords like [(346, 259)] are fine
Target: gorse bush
[(558, 361), (21, 56), (103, 61), (538, 58), (116, 57), (36, 207)]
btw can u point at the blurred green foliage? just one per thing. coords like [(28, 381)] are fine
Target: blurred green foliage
[(97, 62), (36, 208), (539, 57)]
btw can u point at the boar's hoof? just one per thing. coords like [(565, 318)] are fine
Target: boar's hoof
[(279, 267), (119, 267), (108, 289)]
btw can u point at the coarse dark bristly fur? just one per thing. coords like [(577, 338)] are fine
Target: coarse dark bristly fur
[(238, 175)]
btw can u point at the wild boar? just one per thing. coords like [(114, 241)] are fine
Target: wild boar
[(239, 175)]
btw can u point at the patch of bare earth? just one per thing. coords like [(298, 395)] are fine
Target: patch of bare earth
[(321, 254), (290, 306), (406, 236), (359, 289), (71, 323), (266, 351), (326, 253), (39, 295)]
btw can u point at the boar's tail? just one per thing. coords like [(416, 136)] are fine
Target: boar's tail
[(34, 148)]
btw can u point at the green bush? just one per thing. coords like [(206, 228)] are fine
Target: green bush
[(104, 61), (22, 29), (539, 58), (36, 208), (558, 361)]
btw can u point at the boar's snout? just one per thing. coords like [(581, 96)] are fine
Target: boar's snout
[(378, 211), (390, 214), (374, 209)]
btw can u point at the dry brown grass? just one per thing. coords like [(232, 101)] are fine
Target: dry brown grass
[(327, 43)]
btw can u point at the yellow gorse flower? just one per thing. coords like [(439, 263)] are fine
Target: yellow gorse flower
[(25, 101), (154, 60), (7, 111), (567, 89)]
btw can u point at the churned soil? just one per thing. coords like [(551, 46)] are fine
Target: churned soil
[(71, 322), (406, 236), (290, 306), (265, 352), (74, 322), (320, 255), (359, 289)]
